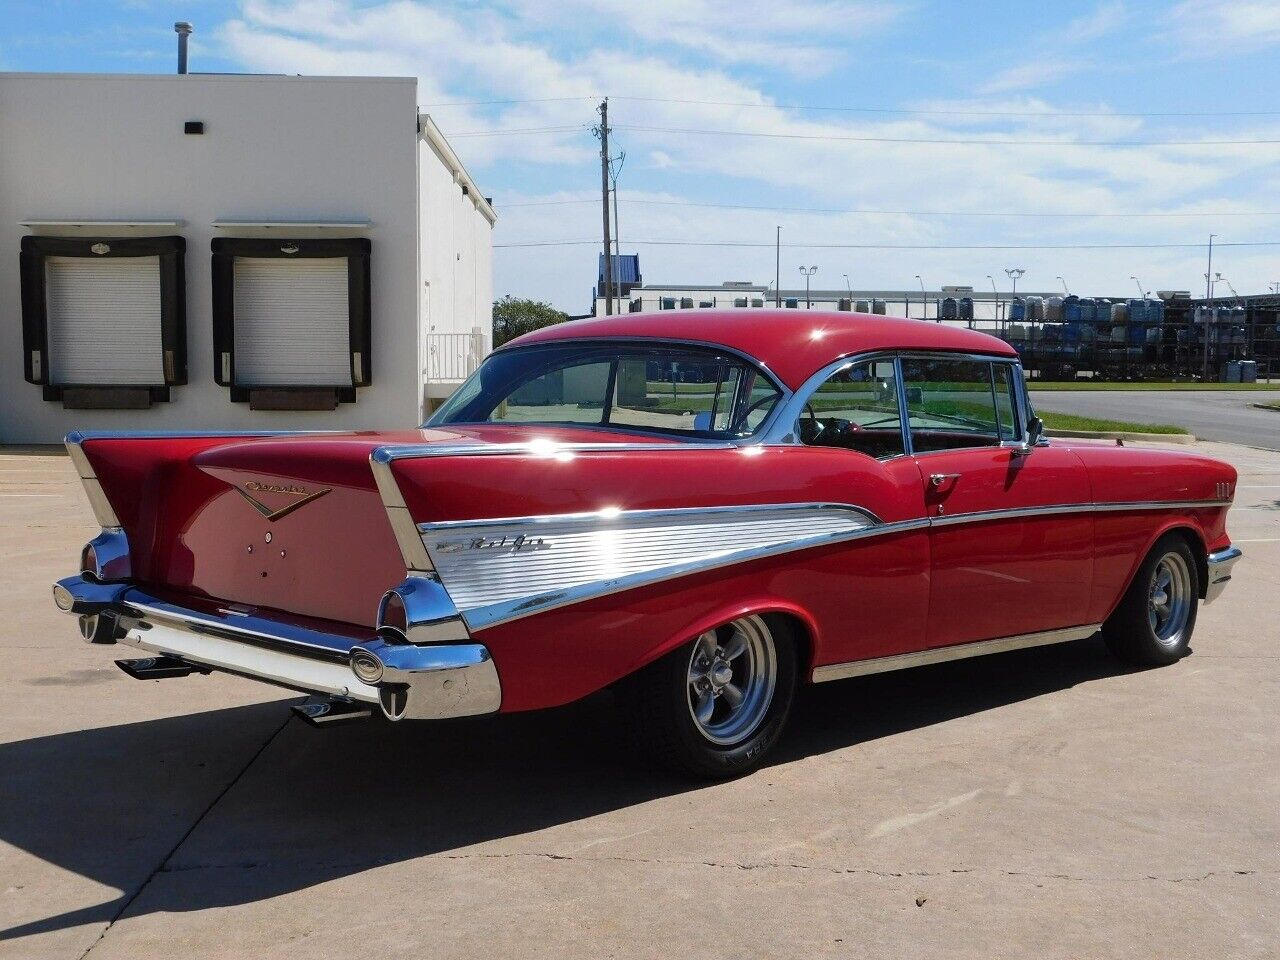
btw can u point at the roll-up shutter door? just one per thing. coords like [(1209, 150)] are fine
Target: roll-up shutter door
[(292, 322), (104, 320)]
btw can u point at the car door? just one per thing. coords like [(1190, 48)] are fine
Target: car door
[(1008, 554), (873, 602)]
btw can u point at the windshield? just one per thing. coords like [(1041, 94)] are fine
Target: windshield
[(686, 391)]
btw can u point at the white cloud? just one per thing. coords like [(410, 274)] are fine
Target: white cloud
[(1033, 73), (493, 53), (1055, 55), (1206, 27)]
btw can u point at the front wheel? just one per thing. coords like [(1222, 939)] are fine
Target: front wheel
[(718, 704), (1152, 625)]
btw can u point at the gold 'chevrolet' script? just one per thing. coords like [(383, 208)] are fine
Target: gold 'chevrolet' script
[(270, 513)]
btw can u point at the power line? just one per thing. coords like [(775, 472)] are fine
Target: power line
[(502, 132), (835, 108), (987, 141), (858, 138), (896, 246), (954, 113), (901, 213), (487, 103)]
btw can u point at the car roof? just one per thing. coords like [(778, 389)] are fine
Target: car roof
[(792, 344)]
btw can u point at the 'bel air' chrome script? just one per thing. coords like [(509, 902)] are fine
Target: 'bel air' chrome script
[(516, 544)]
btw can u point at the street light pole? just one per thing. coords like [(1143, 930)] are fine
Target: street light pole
[(997, 296), (924, 301), (1064, 287), (1208, 284), (848, 286), (1142, 294), (808, 302)]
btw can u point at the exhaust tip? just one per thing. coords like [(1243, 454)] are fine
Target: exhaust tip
[(331, 710)]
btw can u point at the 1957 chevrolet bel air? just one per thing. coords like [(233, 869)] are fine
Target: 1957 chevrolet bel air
[(702, 509)]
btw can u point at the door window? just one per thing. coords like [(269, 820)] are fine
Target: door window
[(857, 409), (953, 404)]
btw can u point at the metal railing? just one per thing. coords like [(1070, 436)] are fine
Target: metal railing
[(453, 356)]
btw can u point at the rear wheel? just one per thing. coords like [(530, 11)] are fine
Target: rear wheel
[(1152, 626), (717, 705)]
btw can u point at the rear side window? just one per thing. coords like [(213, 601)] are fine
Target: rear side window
[(953, 404), (674, 390)]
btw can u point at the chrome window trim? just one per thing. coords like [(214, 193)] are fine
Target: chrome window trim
[(959, 651), (785, 392), (781, 430)]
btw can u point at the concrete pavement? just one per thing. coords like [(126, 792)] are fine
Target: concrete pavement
[(1047, 803), (1222, 415)]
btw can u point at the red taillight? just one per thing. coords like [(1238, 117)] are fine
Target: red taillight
[(392, 615), (89, 561)]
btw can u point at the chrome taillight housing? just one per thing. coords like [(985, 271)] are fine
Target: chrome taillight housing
[(393, 617), (105, 558), (419, 611)]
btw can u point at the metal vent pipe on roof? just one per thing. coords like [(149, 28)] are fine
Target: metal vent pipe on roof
[(183, 30)]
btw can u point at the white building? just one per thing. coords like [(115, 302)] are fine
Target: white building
[(986, 308), (232, 252)]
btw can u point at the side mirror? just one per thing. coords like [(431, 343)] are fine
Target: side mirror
[(1035, 431)]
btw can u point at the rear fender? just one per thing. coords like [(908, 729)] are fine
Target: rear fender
[(758, 606)]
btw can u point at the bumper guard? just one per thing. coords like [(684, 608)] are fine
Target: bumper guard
[(1219, 565)]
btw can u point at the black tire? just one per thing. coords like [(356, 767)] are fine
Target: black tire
[(659, 706), (1138, 632)]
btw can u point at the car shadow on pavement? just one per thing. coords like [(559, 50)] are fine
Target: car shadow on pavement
[(281, 808)]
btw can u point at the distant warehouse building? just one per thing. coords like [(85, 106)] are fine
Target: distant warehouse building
[(216, 252)]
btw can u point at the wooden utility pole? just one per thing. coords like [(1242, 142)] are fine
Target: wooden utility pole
[(602, 132)]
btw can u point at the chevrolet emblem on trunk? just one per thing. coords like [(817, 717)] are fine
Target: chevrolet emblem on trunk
[(303, 495)]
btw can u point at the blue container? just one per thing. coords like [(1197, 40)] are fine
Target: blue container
[(1018, 310), (1072, 309)]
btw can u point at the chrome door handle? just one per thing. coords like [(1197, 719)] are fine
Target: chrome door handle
[(938, 479)]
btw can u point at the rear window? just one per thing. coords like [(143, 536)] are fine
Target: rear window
[(673, 390)]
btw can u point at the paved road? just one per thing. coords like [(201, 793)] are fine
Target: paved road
[(1046, 803), (1225, 415)]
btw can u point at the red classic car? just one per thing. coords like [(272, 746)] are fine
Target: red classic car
[(701, 509)]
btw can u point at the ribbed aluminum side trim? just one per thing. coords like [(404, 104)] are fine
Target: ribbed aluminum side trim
[(919, 658), (578, 561)]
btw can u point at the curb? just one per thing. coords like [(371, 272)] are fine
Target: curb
[(1183, 438)]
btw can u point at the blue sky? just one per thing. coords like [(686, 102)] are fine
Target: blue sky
[(842, 184)]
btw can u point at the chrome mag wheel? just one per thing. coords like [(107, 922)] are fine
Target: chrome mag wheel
[(1169, 599), (733, 672)]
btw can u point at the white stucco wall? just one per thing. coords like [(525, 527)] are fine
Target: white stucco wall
[(274, 149), (456, 265)]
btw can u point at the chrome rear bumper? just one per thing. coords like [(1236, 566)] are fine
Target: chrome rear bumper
[(1219, 565), (426, 682)]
